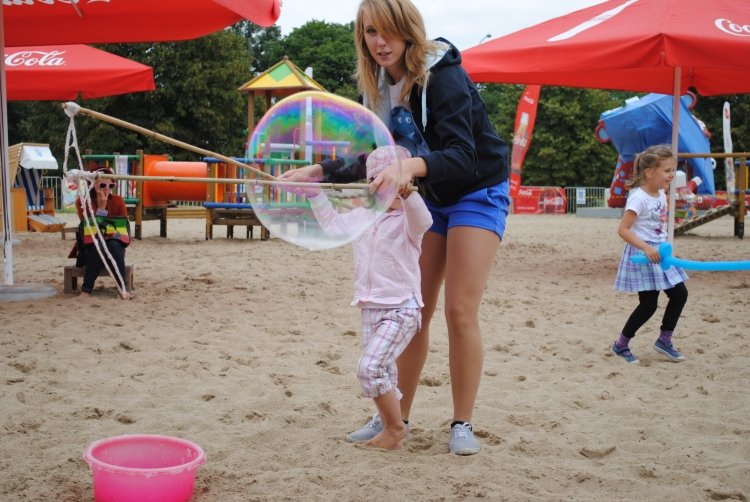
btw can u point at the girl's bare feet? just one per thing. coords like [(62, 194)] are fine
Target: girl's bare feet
[(389, 439)]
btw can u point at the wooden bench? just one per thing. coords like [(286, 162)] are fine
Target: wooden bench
[(231, 215), (72, 273)]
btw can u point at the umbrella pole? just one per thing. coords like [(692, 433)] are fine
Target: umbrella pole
[(10, 291), (675, 146), (5, 180)]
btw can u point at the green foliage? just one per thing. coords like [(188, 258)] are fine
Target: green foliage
[(196, 102), (329, 49), (563, 149), (264, 46)]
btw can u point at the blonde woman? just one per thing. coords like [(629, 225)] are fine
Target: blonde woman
[(418, 88)]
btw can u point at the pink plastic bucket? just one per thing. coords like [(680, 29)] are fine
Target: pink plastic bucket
[(144, 468)]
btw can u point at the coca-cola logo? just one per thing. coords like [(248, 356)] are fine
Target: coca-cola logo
[(525, 193), (738, 30), (35, 58)]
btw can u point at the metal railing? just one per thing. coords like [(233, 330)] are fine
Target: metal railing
[(585, 197), (55, 183)]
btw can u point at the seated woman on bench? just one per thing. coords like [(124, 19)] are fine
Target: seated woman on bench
[(104, 203)]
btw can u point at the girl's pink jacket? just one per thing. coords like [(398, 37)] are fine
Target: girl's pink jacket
[(386, 255)]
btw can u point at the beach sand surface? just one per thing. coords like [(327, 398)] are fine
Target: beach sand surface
[(249, 349)]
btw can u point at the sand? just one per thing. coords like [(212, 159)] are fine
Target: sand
[(249, 349)]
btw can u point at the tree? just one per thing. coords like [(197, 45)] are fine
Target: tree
[(329, 49), (264, 46), (564, 150), (196, 101)]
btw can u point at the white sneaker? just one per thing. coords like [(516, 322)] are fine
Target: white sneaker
[(368, 431), (463, 441)]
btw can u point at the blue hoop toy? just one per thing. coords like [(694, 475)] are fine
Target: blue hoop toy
[(667, 260)]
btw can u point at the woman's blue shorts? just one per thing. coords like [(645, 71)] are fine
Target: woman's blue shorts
[(486, 208)]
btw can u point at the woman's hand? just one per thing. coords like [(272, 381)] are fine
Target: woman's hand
[(312, 173), (307, 174), (398, 177), (101, 199)]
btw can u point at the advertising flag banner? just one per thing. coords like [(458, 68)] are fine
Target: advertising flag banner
[(525, 119)]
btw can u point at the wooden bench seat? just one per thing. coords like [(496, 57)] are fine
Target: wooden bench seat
[(231, 215), (72, 273)]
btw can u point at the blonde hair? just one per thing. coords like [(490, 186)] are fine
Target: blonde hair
[(649, 158), (395, 18)]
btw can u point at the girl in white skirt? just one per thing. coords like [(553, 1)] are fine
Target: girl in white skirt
[(643, 227)]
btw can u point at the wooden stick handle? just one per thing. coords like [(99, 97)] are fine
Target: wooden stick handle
[(166, 139), (229, 181)]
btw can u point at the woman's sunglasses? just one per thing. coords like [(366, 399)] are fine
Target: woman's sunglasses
[(102, 186)]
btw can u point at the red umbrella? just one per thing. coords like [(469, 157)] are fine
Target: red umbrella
[(65, 72), (632, 45), (663, 46), (33, 22)]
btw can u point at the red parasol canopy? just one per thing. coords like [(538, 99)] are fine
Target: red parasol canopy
[(632, 45), (35, 22), (65, 72)]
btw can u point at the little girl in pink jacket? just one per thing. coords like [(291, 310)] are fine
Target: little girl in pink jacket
[(386, 289)]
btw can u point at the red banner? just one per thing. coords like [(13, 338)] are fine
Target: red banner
[(525, 118), (540, 200)]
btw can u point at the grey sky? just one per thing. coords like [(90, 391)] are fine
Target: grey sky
[(465, 23)]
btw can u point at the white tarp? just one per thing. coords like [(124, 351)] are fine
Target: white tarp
[(37, 157)]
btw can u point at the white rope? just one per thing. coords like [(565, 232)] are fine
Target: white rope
[(71, 139), (83, 182)]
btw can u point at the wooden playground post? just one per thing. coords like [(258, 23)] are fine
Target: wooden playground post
[(741, 173), (139, 190), (212, 171), (739, 218)]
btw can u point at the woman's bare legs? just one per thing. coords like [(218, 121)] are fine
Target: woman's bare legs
[(470, 253), (411, 361), (464, 259)]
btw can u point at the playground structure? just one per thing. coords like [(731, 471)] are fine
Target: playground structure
[(281, 80), (647, 121), (223, 203), (736, 204)]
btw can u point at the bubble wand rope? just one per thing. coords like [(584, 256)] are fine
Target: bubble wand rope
[(667, 260)]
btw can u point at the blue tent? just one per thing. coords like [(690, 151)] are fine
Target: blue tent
[(647, 121)]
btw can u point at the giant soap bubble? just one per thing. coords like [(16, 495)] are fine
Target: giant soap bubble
[(309, 128)]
